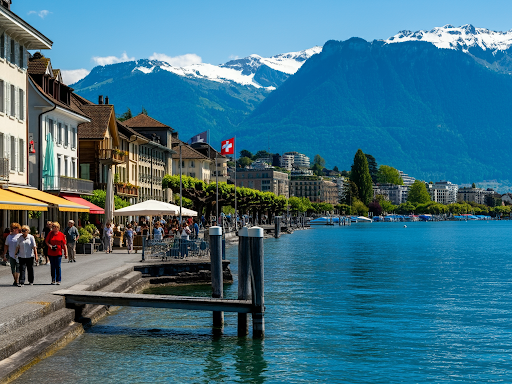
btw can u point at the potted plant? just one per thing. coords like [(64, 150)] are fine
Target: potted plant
[(84, 244)]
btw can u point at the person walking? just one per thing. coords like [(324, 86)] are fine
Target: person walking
[(11, 242), (196, 229), (72, 236), (158, 232), (108, 234), (56, 242), (46, 230), (129, 237), (26, 250)]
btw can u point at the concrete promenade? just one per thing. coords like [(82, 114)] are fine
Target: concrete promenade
[(86, 266)]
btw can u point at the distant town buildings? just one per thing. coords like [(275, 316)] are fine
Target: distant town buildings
[(264, 180), (315, 188), (294, 159), (443, 192)]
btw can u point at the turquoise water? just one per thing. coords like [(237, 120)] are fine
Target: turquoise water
[(369, 303)]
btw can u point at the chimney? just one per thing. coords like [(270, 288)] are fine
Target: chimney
[(6, 4), (100, 99), (106, 99)]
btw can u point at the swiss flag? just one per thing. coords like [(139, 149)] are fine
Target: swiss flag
[(228, 147)]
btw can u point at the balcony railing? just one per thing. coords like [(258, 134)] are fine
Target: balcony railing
[(68, 184), (112, 156)]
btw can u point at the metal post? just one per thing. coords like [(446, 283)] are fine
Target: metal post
[(244, 273), (216, 267), (181, 188), (277, 227), (256, 245)]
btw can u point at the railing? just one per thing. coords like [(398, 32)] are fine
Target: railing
[(4, 169), (114, 156), (126, 190), (67, 184), (176, 248)]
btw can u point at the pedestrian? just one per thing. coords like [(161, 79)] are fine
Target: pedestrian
[(72, 236), (185, 232), (26, 250), (196, 229), (158, 232), (108, 234), (129, 237), (46, 230), (56, 242), (11, 242)]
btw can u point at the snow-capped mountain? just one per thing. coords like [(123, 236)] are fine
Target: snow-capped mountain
[(463, 38), (254, 70)]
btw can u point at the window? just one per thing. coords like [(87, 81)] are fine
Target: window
[(2, 148), (59, 133), (2, 46), (192, 164), (13, 153), (73, 137), (2, 96), (21, 104), (21, 156), (59, 165), (66, 135), (50, 128), (13, 101), (182, 164), (13, 51), (66, 166), (73, 168), (192, 174), (85, 171), (22, 56)]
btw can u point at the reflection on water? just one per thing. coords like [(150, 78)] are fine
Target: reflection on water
[(372, 303)]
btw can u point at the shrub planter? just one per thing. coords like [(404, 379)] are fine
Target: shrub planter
[(84, 248)]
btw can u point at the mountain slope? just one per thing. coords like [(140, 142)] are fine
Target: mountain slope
[(433, 113)]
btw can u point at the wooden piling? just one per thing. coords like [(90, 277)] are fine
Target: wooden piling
[(256, 245), (244, 277), (217, 281), (277, 227)]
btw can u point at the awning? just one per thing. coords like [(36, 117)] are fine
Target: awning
[(13, 201), (63, 204), (94, 209)]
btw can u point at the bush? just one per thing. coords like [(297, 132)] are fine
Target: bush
[(91, 228), (85, 236)]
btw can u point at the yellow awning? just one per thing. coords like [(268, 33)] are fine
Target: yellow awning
[(15, 202), (63, 204)]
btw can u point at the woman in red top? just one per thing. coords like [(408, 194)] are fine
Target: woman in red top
[(56, 242)]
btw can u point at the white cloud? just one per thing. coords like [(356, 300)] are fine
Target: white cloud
[(234, 57), (42, 14), (177, 61), (71, 76), (112, 59)]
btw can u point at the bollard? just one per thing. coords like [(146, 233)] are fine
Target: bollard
[(256, 245), (244, 277), (216, 267), (277, 227)]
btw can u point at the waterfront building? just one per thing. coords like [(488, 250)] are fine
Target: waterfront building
[(264, 180), (193, 163), (51, 114), (467, 194), (443, 192), (397, 194), (408, 180), (290, 159), (152, 149), (315, 188)]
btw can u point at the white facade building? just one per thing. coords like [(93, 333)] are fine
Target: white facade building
[(443, 192), (294, 159)]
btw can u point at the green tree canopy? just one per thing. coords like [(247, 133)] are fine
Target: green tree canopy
[(319, 160), (335, 169), (262, 153), (99, 196), (245, 153), (125, 116), (418, 193), (372, 167), (389, 175), (244, 162), (360, 175)]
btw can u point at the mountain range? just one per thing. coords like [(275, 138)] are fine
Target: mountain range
[(434, 104)]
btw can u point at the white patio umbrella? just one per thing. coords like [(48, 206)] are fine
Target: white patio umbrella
[(148, 208), (185, 211)]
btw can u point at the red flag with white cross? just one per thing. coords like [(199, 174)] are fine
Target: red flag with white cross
[(228, 147)]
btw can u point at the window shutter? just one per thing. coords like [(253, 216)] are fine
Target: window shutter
[(16, 103), (22, 155), (2, 96), (7, 98), (16, 54), (17, 156)]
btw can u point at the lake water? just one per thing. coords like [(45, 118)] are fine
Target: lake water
[(369, 303)]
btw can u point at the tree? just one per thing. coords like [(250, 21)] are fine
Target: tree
[(372, 167), (261, 154), (244, 162), (125, 116), (335, 169), (99, 196), (375, 208), (245, 153), (359, 208), (144, 112), (389, 175), (418, 193), (360, 175), (350, 192), (319, 160), (473, 185), (317, 169)]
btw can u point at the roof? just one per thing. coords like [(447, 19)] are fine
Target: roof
[(187, 152), (127, 132), (100, 117), (73, 108), (144, 121), (39, 66), (31, 37)]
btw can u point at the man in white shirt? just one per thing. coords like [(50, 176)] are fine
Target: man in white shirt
[(26, 250)]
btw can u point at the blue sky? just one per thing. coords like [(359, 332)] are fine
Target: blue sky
[(92, 32)]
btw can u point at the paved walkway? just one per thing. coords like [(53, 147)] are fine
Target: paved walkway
[(86, 266)]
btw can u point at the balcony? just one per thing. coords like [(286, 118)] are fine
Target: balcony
[(126, 190), (68, 184), (112, 156)]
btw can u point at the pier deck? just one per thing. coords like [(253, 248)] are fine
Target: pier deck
[(155, 301)]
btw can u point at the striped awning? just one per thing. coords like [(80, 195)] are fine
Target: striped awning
[(13, 201)]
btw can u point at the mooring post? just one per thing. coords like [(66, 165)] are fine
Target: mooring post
[(244, 277), (256, 244), (277, 227), (216, 266)]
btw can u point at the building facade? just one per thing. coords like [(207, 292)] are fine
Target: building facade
[(443, 192), (264, 180), (294, 159), (397, 194), (316, 189)]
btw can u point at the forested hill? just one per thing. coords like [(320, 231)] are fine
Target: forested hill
[(433, 113)]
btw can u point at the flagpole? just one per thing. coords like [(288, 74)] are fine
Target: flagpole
[(181, 188), (217, 182)]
